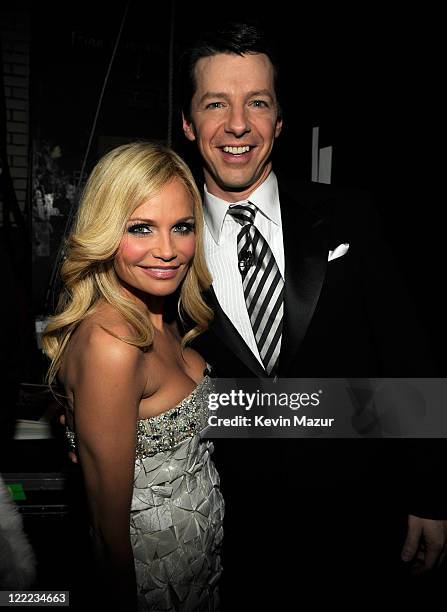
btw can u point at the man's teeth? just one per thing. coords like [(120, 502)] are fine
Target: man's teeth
[(237, 150)]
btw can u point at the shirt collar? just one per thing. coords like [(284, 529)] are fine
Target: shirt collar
[(265, 198)]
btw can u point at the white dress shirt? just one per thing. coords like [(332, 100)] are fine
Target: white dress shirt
[(221, 232)]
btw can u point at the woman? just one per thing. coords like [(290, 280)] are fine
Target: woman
[(136, 396)]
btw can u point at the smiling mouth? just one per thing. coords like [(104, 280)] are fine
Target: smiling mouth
[(160, 267), (240, 150), (161, 272)]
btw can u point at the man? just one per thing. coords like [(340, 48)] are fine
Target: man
[(330, 304)]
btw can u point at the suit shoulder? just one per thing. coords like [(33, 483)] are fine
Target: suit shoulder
[(318, 197), (348, 211)]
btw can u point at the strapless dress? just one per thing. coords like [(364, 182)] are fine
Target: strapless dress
[(177, 509)]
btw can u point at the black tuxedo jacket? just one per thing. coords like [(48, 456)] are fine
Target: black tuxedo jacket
[(349, 317)]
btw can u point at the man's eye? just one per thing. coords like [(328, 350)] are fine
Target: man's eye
[(139, 228), (214, 105), (260, 104), (183, 228)]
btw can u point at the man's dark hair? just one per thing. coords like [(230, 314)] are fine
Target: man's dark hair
[(234, 37)]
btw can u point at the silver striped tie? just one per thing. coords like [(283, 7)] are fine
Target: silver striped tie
[(262, 283)]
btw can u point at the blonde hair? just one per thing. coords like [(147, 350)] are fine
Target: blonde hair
[(120, 182)]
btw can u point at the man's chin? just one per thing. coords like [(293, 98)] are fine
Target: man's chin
[(236, 184), (234, 181)]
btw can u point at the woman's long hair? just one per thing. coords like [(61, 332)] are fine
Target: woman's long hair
[(120, 182)]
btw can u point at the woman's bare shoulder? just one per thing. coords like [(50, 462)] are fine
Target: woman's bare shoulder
[(98, 341)]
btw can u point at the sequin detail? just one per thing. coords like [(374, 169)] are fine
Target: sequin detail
[(71, 439), (168, 429)]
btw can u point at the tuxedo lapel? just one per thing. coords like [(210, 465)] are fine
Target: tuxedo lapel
[(306, 246), (226, 331)]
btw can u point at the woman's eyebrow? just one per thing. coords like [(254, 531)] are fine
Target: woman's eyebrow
[(151, 221)]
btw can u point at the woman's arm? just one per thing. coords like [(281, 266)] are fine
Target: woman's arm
[(107, 392)]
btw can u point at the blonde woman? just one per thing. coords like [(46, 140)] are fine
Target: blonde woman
[(136, 395)]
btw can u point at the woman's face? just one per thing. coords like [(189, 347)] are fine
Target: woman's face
[(159, 242)]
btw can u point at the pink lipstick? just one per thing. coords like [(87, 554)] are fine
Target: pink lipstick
[(161, 273)]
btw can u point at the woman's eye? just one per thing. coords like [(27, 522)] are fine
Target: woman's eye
[(184, 228), (139, 228)]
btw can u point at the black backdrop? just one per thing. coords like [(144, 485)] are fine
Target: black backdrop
[(362, 74), (370, 78)]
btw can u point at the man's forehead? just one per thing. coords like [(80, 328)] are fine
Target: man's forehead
[(222, 68)]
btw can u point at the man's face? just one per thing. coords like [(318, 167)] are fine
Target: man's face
[(234, 119)]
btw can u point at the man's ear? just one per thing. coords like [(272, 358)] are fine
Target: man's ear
[(278, 127), (188, 129)]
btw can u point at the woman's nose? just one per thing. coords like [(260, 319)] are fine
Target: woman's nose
[(165, 249)]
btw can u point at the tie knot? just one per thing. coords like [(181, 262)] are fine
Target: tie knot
[(243, 213)]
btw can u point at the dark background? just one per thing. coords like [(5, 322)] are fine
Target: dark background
[(368, 77)]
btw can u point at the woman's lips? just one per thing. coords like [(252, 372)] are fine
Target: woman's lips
[(161, 273)]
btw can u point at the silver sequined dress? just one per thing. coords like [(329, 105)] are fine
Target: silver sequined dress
[(177, 509)]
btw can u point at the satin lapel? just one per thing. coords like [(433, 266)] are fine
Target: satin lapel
[(225, 330), (306, 247)]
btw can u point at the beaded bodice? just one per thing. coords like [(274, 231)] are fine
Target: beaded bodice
[(168, 429)]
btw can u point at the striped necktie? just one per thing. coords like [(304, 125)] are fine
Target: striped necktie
[(262, 283)]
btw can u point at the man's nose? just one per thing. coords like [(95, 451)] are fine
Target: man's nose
[(237, 122)]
